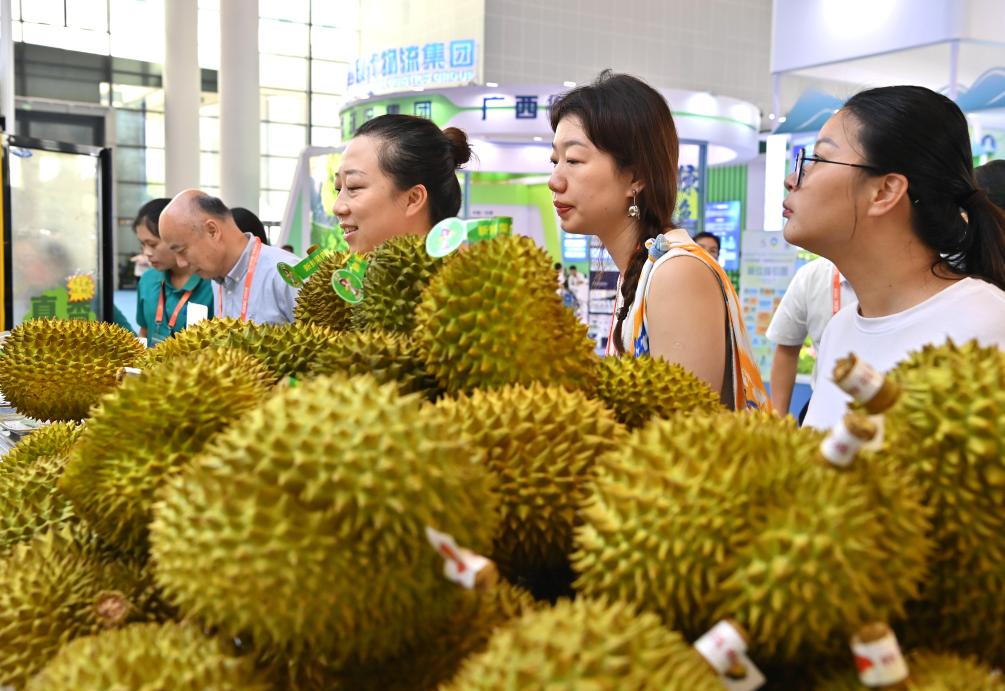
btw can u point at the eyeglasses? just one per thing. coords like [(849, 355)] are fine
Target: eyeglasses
[(802, 165)]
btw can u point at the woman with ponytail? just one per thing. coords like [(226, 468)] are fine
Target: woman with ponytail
[(889, 196), (615, 176), (398, 176)]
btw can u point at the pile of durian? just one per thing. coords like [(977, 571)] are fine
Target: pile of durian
[(254, 507)]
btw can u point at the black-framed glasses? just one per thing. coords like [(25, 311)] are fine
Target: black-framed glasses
[(803, 158)]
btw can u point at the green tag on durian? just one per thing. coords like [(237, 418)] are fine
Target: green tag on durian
[(450, 233), (296, 275)]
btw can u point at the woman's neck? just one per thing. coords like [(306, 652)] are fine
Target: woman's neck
[(179, 277), (890, 282), (622, 243)]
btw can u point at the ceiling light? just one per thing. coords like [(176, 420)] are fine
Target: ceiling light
[(491, 85), (569, 84)]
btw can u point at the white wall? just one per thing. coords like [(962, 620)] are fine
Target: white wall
[(722, 46)]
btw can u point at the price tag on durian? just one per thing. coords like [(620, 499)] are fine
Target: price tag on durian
[(460, 565), (296, 275), (450, 233), (725, 649)]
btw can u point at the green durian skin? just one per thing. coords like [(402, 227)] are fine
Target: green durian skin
[(929, 671), (947, 432), (151, 428), (30, 501), (55, 369), (335, 481), (317, 303), (491, 317), (147, 656), (586, 644), (385, 355), (396, 275)]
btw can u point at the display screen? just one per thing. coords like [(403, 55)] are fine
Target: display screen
[(55, 234)]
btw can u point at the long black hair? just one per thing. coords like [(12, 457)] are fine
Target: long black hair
[(923, 135), (414, 151), (629, 120)]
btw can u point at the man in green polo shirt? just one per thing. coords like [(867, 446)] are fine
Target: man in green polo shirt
[(168, 297)]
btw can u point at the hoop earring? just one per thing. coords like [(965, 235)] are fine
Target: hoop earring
[(633, 210)]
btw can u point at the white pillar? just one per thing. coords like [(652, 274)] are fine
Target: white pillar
[(239, 116), (182, 87), (6, 65)]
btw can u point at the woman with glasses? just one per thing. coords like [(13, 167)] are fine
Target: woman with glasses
[(615, 176), (889, 196)]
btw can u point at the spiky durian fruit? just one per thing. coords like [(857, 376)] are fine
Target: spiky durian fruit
[(702, 517), (948, 432), (540, 443), (587, 644), (928, 672), (55, 588), (53, 369), (317, 302), (491, 317), (305, 523), (286, 349), (429, 663), (146, 656), (148, 430), (398, 271), (388, 356), (638, 389), (29, 498)]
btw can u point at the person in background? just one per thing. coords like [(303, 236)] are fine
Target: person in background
[(817, 292), (201, 231), (615, 154), (166, 291), (577, 285), (398, 176), (248, 222), (889, 196), (991, 178), (709, 243)]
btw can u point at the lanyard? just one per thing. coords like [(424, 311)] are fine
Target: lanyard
[(252, 263), (159, 319), (836, 292)]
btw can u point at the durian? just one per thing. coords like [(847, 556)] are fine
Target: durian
[(928, 672), (286, 349), (53, 369), (540, 443), (398, 271), (148, 430), (56, 588), (491, 317), (432, 661), (948, 432), (586, 644), (317, 303), (698, 518), (388, 356), (146, 656), (304, 524), (29, 498), (638, 389)]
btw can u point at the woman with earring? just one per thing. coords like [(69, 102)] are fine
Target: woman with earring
[(889, 196), (615, 176)]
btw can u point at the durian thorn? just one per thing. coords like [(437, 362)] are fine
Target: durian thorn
[(112, 609)]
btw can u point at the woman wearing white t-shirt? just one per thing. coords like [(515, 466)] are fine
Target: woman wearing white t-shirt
[(889, 196)]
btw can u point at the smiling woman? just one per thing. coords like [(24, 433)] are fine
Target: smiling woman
[(398, 177)]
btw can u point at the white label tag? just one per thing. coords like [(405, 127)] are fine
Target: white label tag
[(726, 651), (840, 445), (195, 313), (460, 565), (879, 662), (863, 382)]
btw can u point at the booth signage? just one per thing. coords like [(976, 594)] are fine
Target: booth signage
[(440, 63)]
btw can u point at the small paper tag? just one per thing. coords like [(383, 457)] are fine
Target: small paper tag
[(289, 274), (726, 651), (460, 565), (195, 313), (863, 382), (130, 372), (876, 443), (348, 286), (446, 236), (879, 662), (840, 446)]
